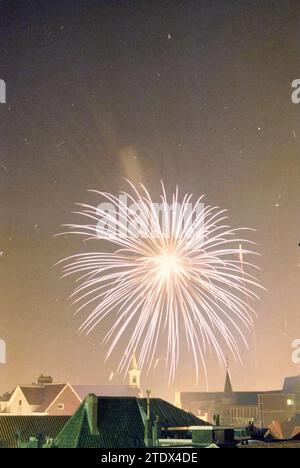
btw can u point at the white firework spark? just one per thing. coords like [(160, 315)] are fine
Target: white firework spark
[(190, 283)]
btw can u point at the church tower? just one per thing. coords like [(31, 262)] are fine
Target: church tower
[(134, 373)]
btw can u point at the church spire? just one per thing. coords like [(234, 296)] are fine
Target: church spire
[(133, 364), (134, 373), (228, 386)]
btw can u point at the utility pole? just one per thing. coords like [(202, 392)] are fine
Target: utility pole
[(148, 423), (148, 393)]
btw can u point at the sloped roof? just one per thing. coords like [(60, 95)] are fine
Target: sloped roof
[(29, 426), (33, 394), (50, 393), (5, 397), (120, 423), (69, 435), (41, 395), (105, 390), (169, 415)]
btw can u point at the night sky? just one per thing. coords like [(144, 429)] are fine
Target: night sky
[(197, 93)]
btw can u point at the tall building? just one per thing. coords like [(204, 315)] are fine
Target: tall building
[(228, 387), (134, 373), (239, 408)]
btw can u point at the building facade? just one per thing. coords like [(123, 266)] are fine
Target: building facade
[(46, 397), (240, 408), (292, 385)]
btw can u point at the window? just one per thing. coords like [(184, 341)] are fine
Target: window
[(61, 406), (20, 402), (290, 402)]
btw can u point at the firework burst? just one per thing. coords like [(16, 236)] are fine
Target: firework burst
[(178, 276)]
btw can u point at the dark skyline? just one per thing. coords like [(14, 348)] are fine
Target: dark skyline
[(197, 93)]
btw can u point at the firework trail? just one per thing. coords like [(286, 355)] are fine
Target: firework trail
[(184, 280), (241, 257)]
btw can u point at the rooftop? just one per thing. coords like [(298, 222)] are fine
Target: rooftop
[(40, 395), (119, 422), (105, 390), (29, 426)]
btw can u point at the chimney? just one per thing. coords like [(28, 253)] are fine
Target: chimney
[(177, 401), (148, 393), (148, 423), (91, 407), (45, 380)]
